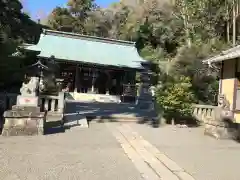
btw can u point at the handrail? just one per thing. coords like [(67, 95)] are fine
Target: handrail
[(46, 102), (203, 112)]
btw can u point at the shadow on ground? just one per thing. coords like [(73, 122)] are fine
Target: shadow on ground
[(109, 112), (75, 111), (53, 127)]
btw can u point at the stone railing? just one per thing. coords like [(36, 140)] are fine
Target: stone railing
[(52, 103), (201, 112), (46, 102)]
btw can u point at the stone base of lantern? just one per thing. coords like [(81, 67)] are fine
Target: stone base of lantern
[(23, 121)]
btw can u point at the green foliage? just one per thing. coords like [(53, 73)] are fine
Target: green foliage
[(187, 62), (175, 98), (159, 61), (72, 18), (175, 37), (16, 27), (60, 18)]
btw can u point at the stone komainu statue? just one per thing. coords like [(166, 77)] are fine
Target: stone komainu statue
[(222, 125), (224, 108), (223, 102), (29, 86)]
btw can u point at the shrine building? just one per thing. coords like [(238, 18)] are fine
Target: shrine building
[(228, 63), (90, 66)]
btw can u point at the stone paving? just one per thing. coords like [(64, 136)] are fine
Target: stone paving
[(150, 162), (121, 151), (203, 157), (87, 154)]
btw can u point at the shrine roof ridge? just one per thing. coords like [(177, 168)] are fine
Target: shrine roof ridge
[(87, 37)]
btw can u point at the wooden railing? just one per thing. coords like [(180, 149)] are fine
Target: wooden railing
[(202, 112)]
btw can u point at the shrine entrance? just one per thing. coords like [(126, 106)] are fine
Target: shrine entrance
[(95, 80), (101, 83)]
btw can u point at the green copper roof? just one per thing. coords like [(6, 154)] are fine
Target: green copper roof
[(87, 49)]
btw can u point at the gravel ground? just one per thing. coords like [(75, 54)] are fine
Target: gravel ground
[(203, 157), (95, 154), (87, 154)]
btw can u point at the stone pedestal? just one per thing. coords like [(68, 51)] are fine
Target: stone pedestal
[(220, 129), (23, 121), (145, 99)]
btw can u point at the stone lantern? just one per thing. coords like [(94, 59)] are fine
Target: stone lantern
[(145, 95)]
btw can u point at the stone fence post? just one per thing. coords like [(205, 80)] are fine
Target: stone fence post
[(61, 101)]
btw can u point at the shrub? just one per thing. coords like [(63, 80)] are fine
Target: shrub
[(176, 98)]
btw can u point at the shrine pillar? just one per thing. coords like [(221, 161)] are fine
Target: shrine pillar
[(76, 80)]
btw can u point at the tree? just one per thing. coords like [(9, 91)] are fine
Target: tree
[(176, 98), (80, 9), (188, 63), (175, 36), (61, 19), (72, 18), (15, 28), (99, 23), (203, 19)]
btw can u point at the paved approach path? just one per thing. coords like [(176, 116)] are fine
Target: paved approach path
[(203, 157), (121, 151), (150, 162), (78, 154)]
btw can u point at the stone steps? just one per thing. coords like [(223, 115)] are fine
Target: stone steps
[(76, 120), (76, 112), (54, 116)]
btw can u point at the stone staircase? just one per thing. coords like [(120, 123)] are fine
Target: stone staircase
[(77, 112)]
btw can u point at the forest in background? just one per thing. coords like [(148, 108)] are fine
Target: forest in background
[(174, 34)]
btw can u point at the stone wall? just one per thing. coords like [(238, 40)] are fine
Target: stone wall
[(209, 117)]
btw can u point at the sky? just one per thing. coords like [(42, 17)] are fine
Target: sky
[(39, 9)]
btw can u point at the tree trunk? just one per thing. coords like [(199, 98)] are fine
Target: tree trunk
[(186, 24), (228, 25), (234, 24)]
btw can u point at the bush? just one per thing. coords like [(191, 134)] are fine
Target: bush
[(175, 98), (188, 62)]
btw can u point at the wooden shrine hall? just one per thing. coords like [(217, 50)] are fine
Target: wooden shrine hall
[(90, 67)]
